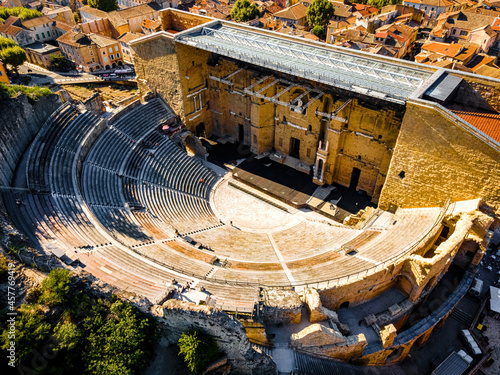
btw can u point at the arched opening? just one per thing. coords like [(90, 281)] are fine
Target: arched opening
[(107, 67), (344, 305), (120, 63), (113, 65)]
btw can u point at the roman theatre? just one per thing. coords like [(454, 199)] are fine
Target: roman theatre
[(403, 160)]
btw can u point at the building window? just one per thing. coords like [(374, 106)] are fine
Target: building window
[(116, 48), (43, 35), (197, 103), (105, 59), (37, 37), (110, 49), (463, 32), (48, 33), (112, 57), (118, 55)]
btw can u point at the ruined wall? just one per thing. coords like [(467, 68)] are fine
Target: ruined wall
[(435, 160), (156, 66), (178, 316), (20, 121), (173, 19), (418, 271)]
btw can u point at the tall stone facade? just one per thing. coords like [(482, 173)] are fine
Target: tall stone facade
[(439, 157)]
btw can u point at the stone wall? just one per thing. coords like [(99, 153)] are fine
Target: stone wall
[(178, 316), (20, 121), (436, 159), (282, 306), (156, 66)]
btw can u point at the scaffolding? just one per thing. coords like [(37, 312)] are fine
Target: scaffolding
[(348, 70)]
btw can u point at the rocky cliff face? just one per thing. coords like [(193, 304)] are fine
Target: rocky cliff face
[(178, 316), (20, 121)]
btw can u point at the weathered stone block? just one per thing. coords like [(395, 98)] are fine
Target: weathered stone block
[(387, 335)]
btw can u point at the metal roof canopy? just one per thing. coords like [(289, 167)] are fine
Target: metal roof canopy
[(366, 75)]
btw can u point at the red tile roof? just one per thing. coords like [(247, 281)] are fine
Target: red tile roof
[(486, 122)]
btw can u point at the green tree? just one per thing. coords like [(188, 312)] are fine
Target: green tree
[(198, 349), (118, 341), (21, 12), (14, 56), (319, 31), (244, 10), (55, 288), (319, 12), (104, 5), (6, 42), (31, 329), (67, 336)]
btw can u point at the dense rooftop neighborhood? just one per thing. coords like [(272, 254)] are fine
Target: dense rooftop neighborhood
[(455, 34)]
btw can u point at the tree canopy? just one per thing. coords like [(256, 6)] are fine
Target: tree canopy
[(104, 5), (55, 288), (198, 350), (31, 329), (6, 42), (14, 56), (382, 3), (244, 10), (118, 341), (21, 12), (319, 12)]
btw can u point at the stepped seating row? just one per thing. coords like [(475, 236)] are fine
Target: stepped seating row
[(131, 192), (170, 166), (144, 117), (409, 225), (154, 225), (257, 277), (120, 274), (229, 242), (137, 161), (184, 212), (139, 266), (341, 266), (109, 149), (312, 239), (42, 216), (162, 253), (61, 163), (153, 140), (120, 224), (100, 186), (42, 147)]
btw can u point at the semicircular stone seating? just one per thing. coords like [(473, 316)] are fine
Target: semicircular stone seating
[(138, 195)]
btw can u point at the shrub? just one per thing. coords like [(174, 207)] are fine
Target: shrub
[(198, 349), (55, 288)]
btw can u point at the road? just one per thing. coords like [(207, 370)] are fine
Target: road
[(42, 76)]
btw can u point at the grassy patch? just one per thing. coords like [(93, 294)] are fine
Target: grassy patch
[(32, 92)]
